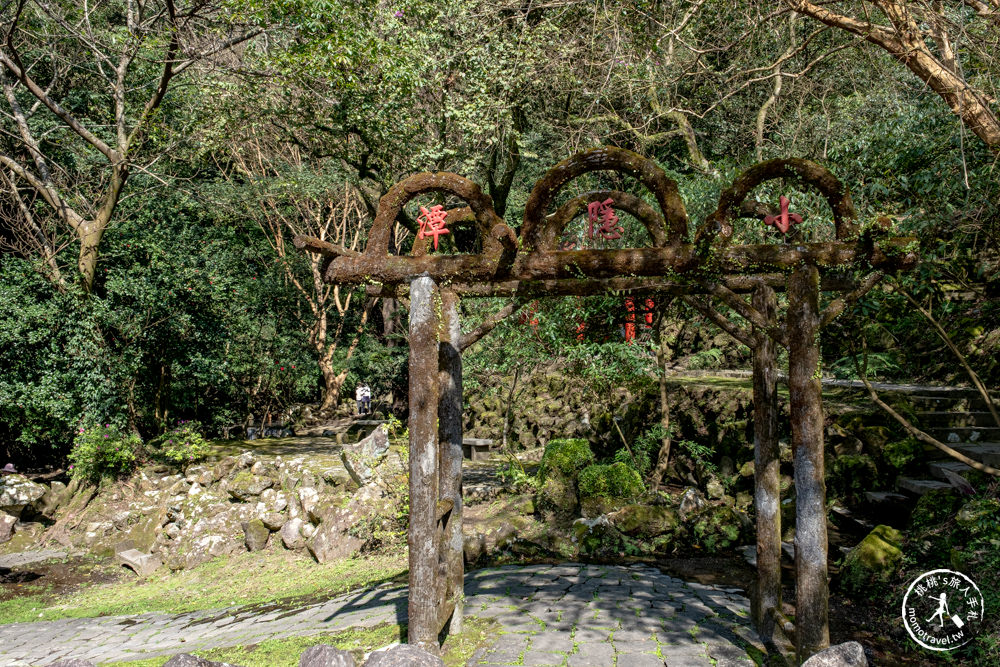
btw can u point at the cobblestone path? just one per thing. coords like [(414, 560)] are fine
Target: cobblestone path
[(570, 614)]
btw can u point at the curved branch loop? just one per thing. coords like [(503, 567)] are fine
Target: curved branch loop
[(623, 201), (719, 225), (539, 232), (409, 188)]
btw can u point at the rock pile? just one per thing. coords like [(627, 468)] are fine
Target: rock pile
[(182, 518)]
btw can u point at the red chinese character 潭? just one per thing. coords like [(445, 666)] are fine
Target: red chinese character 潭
[(432, 223)]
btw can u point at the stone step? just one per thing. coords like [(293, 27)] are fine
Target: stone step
[(966, 434), (886, 498), (938, 469), (984, 452), (953, 402), (920, 486), (943, 419)]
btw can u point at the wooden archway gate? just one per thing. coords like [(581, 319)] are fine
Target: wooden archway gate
[(532, 266)]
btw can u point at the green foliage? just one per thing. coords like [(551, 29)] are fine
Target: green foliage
[(717, 528), (901, 453), (565, 457), (645, 449), (934, 509), (103, 452), (184, 444), (700, 454), (513, 475), (614, 481), (705, 359)]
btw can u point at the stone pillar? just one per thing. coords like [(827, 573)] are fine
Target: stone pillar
[(450, 460), (423, 535), (812, 631), (767, 496)]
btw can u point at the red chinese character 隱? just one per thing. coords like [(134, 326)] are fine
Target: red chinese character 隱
[(784, 221), (432, 223), (601, 212)]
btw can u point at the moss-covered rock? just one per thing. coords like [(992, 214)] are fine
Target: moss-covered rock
[(565, 456), (933, 508), (646, 521), (558, 472), (615, 481), (718, 527), (870, 565), (607, 488), (902, 454), (245, 486), (597, 537)]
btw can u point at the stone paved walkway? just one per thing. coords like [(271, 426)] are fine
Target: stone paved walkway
[(571, 614)]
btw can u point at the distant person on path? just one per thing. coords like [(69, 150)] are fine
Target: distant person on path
[(366, 398), (359, 396)]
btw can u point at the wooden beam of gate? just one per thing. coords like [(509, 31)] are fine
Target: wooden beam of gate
[(538, 289), (450, 463), (888, 255), (423, 536)]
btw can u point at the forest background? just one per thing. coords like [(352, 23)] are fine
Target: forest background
[(157, 157)]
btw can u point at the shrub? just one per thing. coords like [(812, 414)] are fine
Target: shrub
[(566, 457), (902, 453), (103, 452), (616, 481), (183, 444)]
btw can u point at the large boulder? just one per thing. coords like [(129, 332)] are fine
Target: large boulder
[(291, 534), (246, 486), (607, 488), (332, 538), (17, 492), (869, 566), (645, 521), (7, 522), (326, 656), (141, 563), (404, 655), (255, 534), (848, 654), (361, 458), (558, 472)]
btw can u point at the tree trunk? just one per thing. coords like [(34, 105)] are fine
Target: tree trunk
[(332, 383), (767, 602), (663, 354), (812, 593)]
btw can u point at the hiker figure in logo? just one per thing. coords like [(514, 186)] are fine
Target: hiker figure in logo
[(941, 610)]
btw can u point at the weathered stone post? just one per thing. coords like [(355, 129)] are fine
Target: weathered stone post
[(450, 460), (767, 495), (423, 536), (812, 631)]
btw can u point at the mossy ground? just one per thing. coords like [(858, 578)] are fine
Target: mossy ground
[(456, 651), (240, 579)]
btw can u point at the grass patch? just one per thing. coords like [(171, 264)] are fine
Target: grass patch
[(457, 649), (239, 579)]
